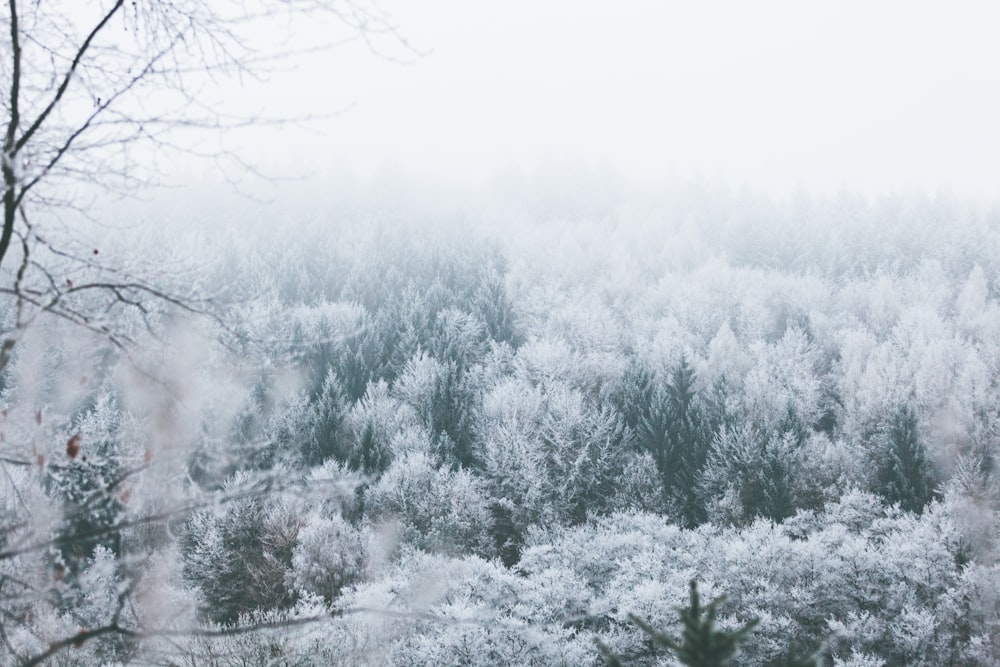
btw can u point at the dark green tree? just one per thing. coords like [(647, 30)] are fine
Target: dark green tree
[(493, 307), (90, 491), (632, 395), (459, 342), (90, 482), (238, 558), (904, 474), (755, 468), (371, 454), (702, 644), (451, 419), (326, 435), (678, 434)]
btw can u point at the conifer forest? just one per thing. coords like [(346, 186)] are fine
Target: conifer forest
[(266, 403), (430, 443)]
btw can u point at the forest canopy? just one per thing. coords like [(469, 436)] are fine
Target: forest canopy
[(448, 443)]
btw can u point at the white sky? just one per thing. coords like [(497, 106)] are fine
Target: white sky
[(775, 94)]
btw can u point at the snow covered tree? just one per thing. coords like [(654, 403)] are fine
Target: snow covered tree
[(748, 475), (372, 423), (329, 554), (633, 394), (439, 509), (326, 434), (444, 397), (492, 306), (701, 643), (86, 92), (239, 556)]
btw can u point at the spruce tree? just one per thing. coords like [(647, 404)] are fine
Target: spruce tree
[(325, 432), (701, 643), (633, 395), (451, 418), (678, 436), (904, 474)]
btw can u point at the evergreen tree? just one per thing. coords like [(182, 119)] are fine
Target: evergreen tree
[(90, 484), (631, 396), (326, 433), (459, 342), (357, 362), (749, 474), (678, 435), (370, 455), (451, 419), (369, 428), (701, 643), (492, 305), (508, 536), (775, 500), (90, 491), (904, 474), (238, 557)]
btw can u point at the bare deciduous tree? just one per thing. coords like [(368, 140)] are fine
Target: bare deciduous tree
[(93, 94)]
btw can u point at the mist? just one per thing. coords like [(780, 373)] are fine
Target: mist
[(777, 96), (490, 335)]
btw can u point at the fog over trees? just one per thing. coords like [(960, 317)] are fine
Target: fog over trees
[(446, 443), (385, 421)]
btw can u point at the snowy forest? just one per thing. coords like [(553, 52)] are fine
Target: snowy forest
[(535, 355), (449, 438)]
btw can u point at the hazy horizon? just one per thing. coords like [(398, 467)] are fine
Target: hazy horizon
[(775, 97)]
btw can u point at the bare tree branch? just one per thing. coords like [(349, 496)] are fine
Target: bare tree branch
[(61, 90), (82, 101)]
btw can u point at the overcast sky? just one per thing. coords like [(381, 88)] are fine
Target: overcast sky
[(774, 94)]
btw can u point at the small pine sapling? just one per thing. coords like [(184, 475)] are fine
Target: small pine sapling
[(702, 644)]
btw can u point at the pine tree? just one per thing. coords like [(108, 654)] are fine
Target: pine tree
[(326, 433), (701, 643), (451, 420), (238, 557), (370, 456), (678, 435), (633, 395), (904, 475), (492, 305), (755, 469)]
